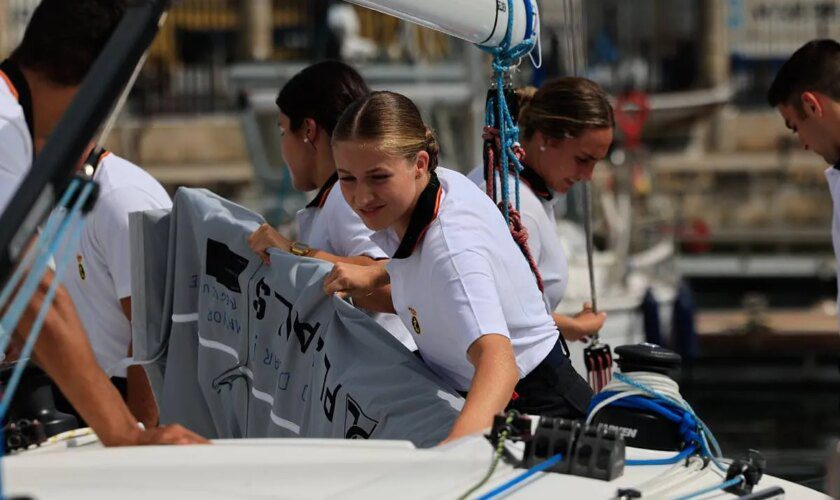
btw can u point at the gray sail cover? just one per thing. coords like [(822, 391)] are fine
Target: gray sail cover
[(236, 348)]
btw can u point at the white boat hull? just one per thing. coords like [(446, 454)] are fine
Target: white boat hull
[(306, 468)]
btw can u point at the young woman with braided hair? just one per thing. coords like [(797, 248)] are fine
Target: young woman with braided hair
[(458, 281), (566, 128)]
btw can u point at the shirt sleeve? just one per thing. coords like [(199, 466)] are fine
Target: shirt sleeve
[(15, 160), (535, 237), (473, 305), (347, 233), (111, 232)]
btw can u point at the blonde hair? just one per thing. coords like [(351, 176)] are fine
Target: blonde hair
[(390, 120), (564, 107)]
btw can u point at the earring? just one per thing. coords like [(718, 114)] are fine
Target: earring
[(542, 148), (305, 139)]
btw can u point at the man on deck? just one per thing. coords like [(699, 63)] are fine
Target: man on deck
[(806, 92), (37, 84)]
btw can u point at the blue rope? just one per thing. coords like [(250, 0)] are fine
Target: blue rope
[(546, 464), (706, 435), (694, 432), (46, 245), (45, 249), (721, 486), (46, 235), (69, 245), (504, 57)]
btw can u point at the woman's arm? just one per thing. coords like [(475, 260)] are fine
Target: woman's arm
[(265, 237), (583, 324), (492, 386)]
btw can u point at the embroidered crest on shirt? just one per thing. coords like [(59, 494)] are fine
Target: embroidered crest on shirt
[(81, 267), (414, 321)]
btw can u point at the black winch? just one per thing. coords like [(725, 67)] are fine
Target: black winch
[(643, 428)]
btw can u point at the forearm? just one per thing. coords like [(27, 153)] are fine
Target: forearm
[(64, 353), (493, 384), (378, 300), (140, 398), (359, 260)]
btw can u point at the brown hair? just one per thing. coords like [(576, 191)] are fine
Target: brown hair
[(564, 107), (393, 122)]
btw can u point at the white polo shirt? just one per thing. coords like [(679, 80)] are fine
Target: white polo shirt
[(328, 223), (99, 274), (832, 174), (536, 206), (458, 275), (15, 132)]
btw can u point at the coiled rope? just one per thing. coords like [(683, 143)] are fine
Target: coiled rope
[(657, 393)]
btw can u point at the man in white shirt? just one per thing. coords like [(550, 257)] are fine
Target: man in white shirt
[(37, 83), (99, 276), (806, 92)]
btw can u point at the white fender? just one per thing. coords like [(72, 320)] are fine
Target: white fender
[(478, 21)]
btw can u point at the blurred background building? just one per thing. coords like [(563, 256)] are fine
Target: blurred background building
[(715, 172)]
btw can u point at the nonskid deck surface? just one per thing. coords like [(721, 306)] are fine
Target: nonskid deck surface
[(307, 468)]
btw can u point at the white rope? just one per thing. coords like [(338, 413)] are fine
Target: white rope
[(656, 381)]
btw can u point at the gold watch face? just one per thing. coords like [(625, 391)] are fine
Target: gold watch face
[(300, 249)]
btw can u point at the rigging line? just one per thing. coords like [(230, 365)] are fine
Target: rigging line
[(112, 118), (34, 332), (56, 217), (46, 247)]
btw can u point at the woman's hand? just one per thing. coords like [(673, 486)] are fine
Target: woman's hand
[(582, 325), (266, 237), (349, 279)]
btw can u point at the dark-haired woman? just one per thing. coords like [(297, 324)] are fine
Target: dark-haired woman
[(458, 281), (567, 127), (310, 104)]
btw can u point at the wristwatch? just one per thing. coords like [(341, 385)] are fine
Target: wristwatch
[(300, 249)]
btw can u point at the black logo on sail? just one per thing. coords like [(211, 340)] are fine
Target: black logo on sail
[(357, 425), (224, 265)]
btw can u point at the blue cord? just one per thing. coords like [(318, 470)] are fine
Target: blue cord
[(546, 464), (721, 486), (504, 56), (695, 433), (12, 317), (61, 263), (53, 234), (46, 235), (705, 435)]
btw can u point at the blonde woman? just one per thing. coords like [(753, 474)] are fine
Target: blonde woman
[(458, 281)]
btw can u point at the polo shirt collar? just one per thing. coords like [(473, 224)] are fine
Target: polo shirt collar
[(321, 197), (425, 212), (11, 73), (537, 184)]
